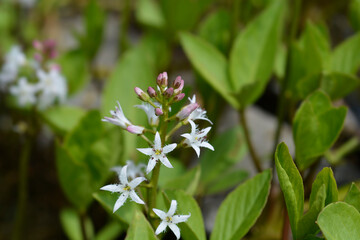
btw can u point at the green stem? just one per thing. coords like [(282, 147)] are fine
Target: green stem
[(172, 131), (281, 106), (334, 157), (253, 154), (156, 171), (83, 225), (22, 191)]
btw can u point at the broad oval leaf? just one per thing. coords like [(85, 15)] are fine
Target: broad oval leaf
[(58, 117), (317, 124), (346, 56), (253, 54), (193, 228), (325, 177), (353, 196), (133, 70), (340, 221), (291, 184), (210, 63), (239, 211), (188, 182)]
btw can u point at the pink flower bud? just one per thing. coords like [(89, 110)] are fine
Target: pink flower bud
[(151, 92), (162, 79), (49, 44), (135, 129), (179, 97), (186, 111), (180, 88), (141, 94), (37, 45), (177, 82), (169, 92), (158, 112)]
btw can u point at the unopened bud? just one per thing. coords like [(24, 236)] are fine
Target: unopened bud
[(177, 82), (38, 45), (158, 112), (179, 97), (186, 111), (162, 79), (135, 129), (151, 92), (169, 92), (141, 94), (180, 88)]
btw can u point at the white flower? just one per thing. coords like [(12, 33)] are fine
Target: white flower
[(169, 219), (14, 59), (150, 112), (198, 113), (24, 92), (157, 153), (133, 170), (118, 118), (53, 87), (197, 139), (125, 188)]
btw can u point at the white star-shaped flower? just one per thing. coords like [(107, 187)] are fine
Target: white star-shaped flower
[(24, 92), (53, 87), (133, 170), (118, 118), (170, 220), (14, 59), (197, 139), (125, 189), (157, 153), (198, 113)]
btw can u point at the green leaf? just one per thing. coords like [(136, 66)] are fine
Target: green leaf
[(58, 117), (70, 221), (230, 147), (167, 174), (94, 22), (193, 228), (226, 181), (317, 124), (111, 230), (124, 79), (239, 211), (148, 12), (253, 54), (307, 223), (124, 214), (210, 63), (87, 132), (219, 22), (336, 85), (316, 49), (340, 221), (175, 11), (346, 56), (75, 69), (291, 185), (353, 196), (187, 182), (354, 14), (140, 229), (325, 177)]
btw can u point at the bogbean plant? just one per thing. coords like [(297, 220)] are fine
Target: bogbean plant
[(157, 104)]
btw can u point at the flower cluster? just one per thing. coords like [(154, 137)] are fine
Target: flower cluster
[(157, 106), (35, 81)]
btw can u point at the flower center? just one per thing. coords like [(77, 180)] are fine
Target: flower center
[(158, 151), (168, 219), (126, 188)]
